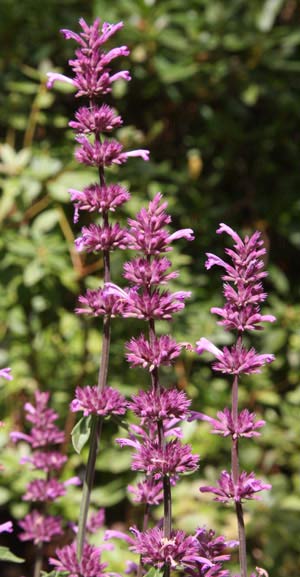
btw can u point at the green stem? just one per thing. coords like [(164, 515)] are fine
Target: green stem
[(88, 483), (38, 564)]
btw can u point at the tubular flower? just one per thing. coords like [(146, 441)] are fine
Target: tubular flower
[(155, 305), (142, 272), (96, 198), (149, 491), (148, 233), (99, 302), (157, 405), (92, 400), (89, 566), (95, 120), (91, 71), (234, 360), (161, 351), (6, 374), (99, 238), (157, 550), (245, 427), (246, 488), (216, 550), (241, 311), (174, 458), (39, 528)]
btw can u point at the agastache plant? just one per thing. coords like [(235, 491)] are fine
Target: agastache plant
[(243, 292), (158, 450), (45, 440), (92, 78)]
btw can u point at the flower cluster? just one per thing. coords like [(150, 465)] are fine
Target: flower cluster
[(243, 292), (44, 439), (89, 566)]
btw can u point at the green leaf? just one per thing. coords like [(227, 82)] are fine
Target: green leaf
[(268, 15), (81, 433), (7, 555), (46, 221)]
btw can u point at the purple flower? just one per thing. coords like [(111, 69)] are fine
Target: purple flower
[(46, 460), (96, 521), (161, 351), (234, 360), (142, 272), (99, 238), (95, 120), (43, 431), (89, 566), (155, 305), (39, 528), (91, 72), (96, 198), (245, 427), (92, 400), (44, 490), (157, 550), (40, 437), (174, 458), (241, 319), (5, 374), (215, 549), (99, 302), (241, 310), (246, 488), (6, 527), (105, 153), (157, 405), (149, 491), (148, 234)]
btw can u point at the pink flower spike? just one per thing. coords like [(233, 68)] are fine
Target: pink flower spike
[(56, 77)]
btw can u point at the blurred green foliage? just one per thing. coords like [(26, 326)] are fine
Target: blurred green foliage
[(215, 96)]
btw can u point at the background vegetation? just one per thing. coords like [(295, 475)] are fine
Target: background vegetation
[(215, 96)]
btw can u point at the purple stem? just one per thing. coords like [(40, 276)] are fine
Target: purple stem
[(167, 524), (97, 422), (235, 470)]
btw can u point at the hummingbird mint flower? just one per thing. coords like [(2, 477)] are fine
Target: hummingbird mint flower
[(89, 566), (247, 487), (177, 550), (243, 293), (91, 400), (92, 78), (245, 426)]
